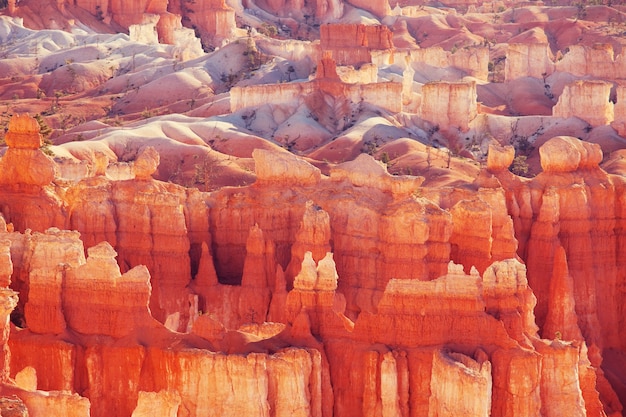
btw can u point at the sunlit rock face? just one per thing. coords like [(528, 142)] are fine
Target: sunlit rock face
[(318, 216), (332, 294), (587, 100)]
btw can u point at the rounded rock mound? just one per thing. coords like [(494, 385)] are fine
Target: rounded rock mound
[(567, 154)]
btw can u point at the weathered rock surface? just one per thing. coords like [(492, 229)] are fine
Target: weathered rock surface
[(587, 100), (316, 94), (353, 44), (528, 60), (24, 162), (449, 104), (461, 282)]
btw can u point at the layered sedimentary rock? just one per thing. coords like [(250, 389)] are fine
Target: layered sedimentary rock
[(619, 123), (587, 100), (597, 61), (326, 88), (348, 265), (213, 18), (120, 303), (353, 44), (24, 162), (127, 14), (449, 104), (146, 31), (528, 60)]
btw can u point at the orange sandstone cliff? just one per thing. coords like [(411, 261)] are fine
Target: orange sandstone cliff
[(354, 293)]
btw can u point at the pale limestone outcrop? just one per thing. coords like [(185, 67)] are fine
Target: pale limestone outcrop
[(597, 61), (171, 31), (560, 385), (567, 154), (327, 85), (326, 274), (353, 44), (313, 236), (619, 123), (284, 168), (499, 157), (473, 61), (587, 100), (449, 104), (27, 379), (146, 31), (6, 264), (58, 403), (320, 277), (256, 95), (157, 404), (472, 384), (365, 171), (528, 60), (8, 302)]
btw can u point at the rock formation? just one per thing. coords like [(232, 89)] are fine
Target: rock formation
[(24, 162), (328, 98), (369, 259), (492, 309), (619, 123), (214, 19), (598, 61), (353, 44), (449, 104), (528, 60), (587, 100), (310, 280)]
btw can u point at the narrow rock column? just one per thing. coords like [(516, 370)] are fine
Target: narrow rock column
[(8, 301)]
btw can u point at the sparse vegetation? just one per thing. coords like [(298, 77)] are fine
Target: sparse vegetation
[(268, 30), (99, 13), (44, 129), (520, 166), (148, 113)]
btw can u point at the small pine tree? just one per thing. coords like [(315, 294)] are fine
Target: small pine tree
[(519, 166), (44, 129)]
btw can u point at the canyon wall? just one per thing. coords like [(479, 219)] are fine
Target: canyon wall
[(528, 60), (506, 288), (587, 100), (472, 61), (619, 124), (449, 104), (598, 61), (327, 82), (354, 44), (213, 18)]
